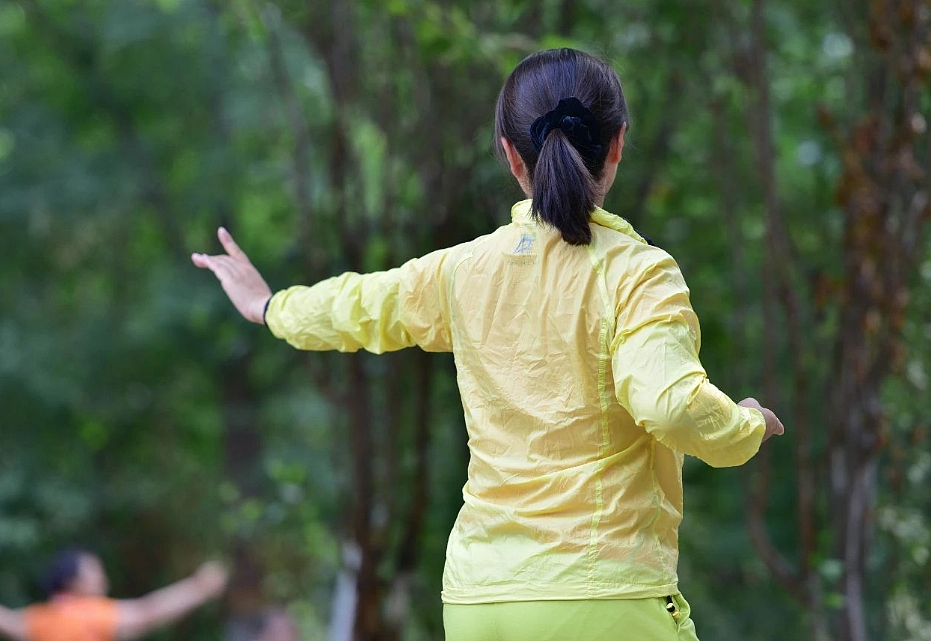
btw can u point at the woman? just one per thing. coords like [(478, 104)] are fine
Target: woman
[(577, 356), (78, 608)]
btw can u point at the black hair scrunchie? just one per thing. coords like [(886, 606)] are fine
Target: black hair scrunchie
[(576, 121)]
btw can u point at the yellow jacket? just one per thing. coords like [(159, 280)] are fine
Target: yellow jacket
[(582, 389)]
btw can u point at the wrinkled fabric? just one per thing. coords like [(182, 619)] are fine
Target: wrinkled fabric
[(582, 390)]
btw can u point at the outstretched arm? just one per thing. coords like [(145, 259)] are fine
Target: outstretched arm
[(136, 617), (661, 382), (379, 312), (12, 624)]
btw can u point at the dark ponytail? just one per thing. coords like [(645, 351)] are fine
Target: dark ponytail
[(561, 109), (564, 190)]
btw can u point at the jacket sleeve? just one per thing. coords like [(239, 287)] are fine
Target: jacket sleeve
[(379, 312), (659, 379)]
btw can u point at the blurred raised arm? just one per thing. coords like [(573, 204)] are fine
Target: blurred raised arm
[(12, 624), (136, 617)]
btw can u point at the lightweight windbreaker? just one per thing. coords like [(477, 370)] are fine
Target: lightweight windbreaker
[(582, 389)]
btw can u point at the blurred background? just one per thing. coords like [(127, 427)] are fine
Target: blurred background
[(779, 149)]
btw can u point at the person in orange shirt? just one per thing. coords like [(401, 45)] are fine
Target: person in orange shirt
[(78, 608)]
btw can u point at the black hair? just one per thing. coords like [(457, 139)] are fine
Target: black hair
[(564, 182), (62, 570)]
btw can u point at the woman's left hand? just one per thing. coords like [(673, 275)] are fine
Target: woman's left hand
[(241, 281)]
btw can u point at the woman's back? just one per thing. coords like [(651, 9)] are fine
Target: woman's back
[(580, 380), (567, 497)]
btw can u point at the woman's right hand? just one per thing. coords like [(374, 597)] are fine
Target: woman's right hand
[(242, 282), (773, 424)]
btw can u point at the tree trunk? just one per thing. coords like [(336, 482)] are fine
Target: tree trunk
[(242, 451), (782, 298)]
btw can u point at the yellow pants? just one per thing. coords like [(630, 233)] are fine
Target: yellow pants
[(659, 619)]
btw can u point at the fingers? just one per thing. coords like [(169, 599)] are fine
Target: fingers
[(230, 245), (780, 428), (223, 266), (212, 577), (201, 260), (774, 426), (204, 261), (233, 251), (773, 423)]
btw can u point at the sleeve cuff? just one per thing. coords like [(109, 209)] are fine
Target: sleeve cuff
[(265, 310), (271, 314)]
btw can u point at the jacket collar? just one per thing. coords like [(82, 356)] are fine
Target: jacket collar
[(520, 213)]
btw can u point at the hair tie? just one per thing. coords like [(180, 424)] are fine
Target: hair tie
[(576, 121)]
